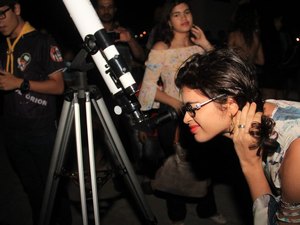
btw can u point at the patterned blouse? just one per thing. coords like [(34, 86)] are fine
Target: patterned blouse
[(163, 64), (287, 118)]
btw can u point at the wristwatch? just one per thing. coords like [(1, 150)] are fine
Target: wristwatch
[(25, 86)]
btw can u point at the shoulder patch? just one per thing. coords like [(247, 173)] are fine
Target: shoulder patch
[(55, 54), (23, 61)]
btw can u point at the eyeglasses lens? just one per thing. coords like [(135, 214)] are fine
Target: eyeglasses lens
[(3, 13), (189, 109)]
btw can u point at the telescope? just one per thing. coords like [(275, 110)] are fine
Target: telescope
[(121, 84), (110, 63)]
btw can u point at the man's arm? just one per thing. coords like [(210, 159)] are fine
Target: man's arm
[(136, 49), (54, 85)]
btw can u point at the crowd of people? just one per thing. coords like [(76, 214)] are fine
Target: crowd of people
[(238, 82)]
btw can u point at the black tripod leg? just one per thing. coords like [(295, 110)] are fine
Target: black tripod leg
[(121, 160), (61, 141)]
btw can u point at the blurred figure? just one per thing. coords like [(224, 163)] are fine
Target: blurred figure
[(278, 49), (178, 38), (285, 61), (244, 34)]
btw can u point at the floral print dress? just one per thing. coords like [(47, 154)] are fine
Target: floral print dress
[(163, 64)]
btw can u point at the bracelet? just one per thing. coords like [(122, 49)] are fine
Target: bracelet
[(288, 212)]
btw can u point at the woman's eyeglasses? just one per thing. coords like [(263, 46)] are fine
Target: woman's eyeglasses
[(3, 13), (192, 110)]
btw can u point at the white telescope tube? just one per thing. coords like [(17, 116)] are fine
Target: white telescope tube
[(87, 22)]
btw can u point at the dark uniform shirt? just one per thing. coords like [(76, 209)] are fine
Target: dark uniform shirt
[(36, 55)]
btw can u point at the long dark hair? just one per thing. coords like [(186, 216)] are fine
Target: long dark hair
[(222, 71), (163, 30)]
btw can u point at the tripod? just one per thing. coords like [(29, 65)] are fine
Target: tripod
[(70, 112)]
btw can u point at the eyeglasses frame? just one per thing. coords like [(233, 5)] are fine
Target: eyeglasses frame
[(3, 13), (192, 110)]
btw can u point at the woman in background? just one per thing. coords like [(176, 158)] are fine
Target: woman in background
[(244, 34)]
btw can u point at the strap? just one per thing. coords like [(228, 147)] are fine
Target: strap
[(10, 52)]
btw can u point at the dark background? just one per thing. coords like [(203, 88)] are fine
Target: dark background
[(52, 16)]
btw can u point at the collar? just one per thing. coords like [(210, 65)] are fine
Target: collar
[(27, 28)]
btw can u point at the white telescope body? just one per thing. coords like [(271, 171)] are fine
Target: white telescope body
[(87, 22)]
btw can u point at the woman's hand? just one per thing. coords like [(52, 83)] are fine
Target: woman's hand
[(242, 139), (251, 164), (199, 38)]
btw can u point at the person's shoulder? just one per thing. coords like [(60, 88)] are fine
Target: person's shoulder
[(234, 34), (236, 38), (160, 46), (40, 35)]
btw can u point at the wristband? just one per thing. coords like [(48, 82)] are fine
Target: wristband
[(25, 86)]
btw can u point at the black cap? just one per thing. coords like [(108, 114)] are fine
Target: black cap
[(7, 2)]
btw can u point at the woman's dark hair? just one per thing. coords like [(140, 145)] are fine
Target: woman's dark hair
[(164, 31), (222, 71)]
